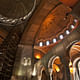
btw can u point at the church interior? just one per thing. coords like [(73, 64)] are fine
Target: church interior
[(39, 39)]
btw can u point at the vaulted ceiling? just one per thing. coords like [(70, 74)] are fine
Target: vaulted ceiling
[(70, 3), (15, 8), (47, 21)]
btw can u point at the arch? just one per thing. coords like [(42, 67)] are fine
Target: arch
[(40, 72), (74, 54), (76, 70), (44, 76), (54, 68), (74, 50)]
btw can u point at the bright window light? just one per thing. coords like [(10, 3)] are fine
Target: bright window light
[(47, 43), (54, 40), (75, 20), (61, 36), (67, 32), (41, 44), (72, 26)]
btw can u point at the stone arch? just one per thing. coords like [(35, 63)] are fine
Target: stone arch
[(54, 67), (74, 54), (44, 75)]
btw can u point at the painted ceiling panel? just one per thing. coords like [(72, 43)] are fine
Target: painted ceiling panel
[(70, 3)]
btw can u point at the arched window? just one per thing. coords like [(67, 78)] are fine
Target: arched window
[(67, 32), (41, 44), (54, 40), (72, 26), (61, 36), (47, 43)]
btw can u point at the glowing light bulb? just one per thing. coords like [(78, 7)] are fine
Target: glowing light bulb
[(37, 56)]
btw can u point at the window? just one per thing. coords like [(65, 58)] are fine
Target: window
[(47, 43), (61, 37), (41, 44), (54, 40), (72, 26), (67, 32), (75, 20)]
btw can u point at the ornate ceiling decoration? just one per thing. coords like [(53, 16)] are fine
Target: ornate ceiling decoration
[(12, 21), (70, 3)]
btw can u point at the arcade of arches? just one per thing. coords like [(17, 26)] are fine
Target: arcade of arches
[(40, 40)]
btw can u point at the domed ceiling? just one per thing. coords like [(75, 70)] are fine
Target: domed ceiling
[(16, 12), (49, 19), (54, 23), (70, 3), (15, 8)]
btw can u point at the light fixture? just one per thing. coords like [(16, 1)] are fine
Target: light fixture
[(37, 56), (54, 40), (41, 44), (67, 32), (61, 37), (47, 43)]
